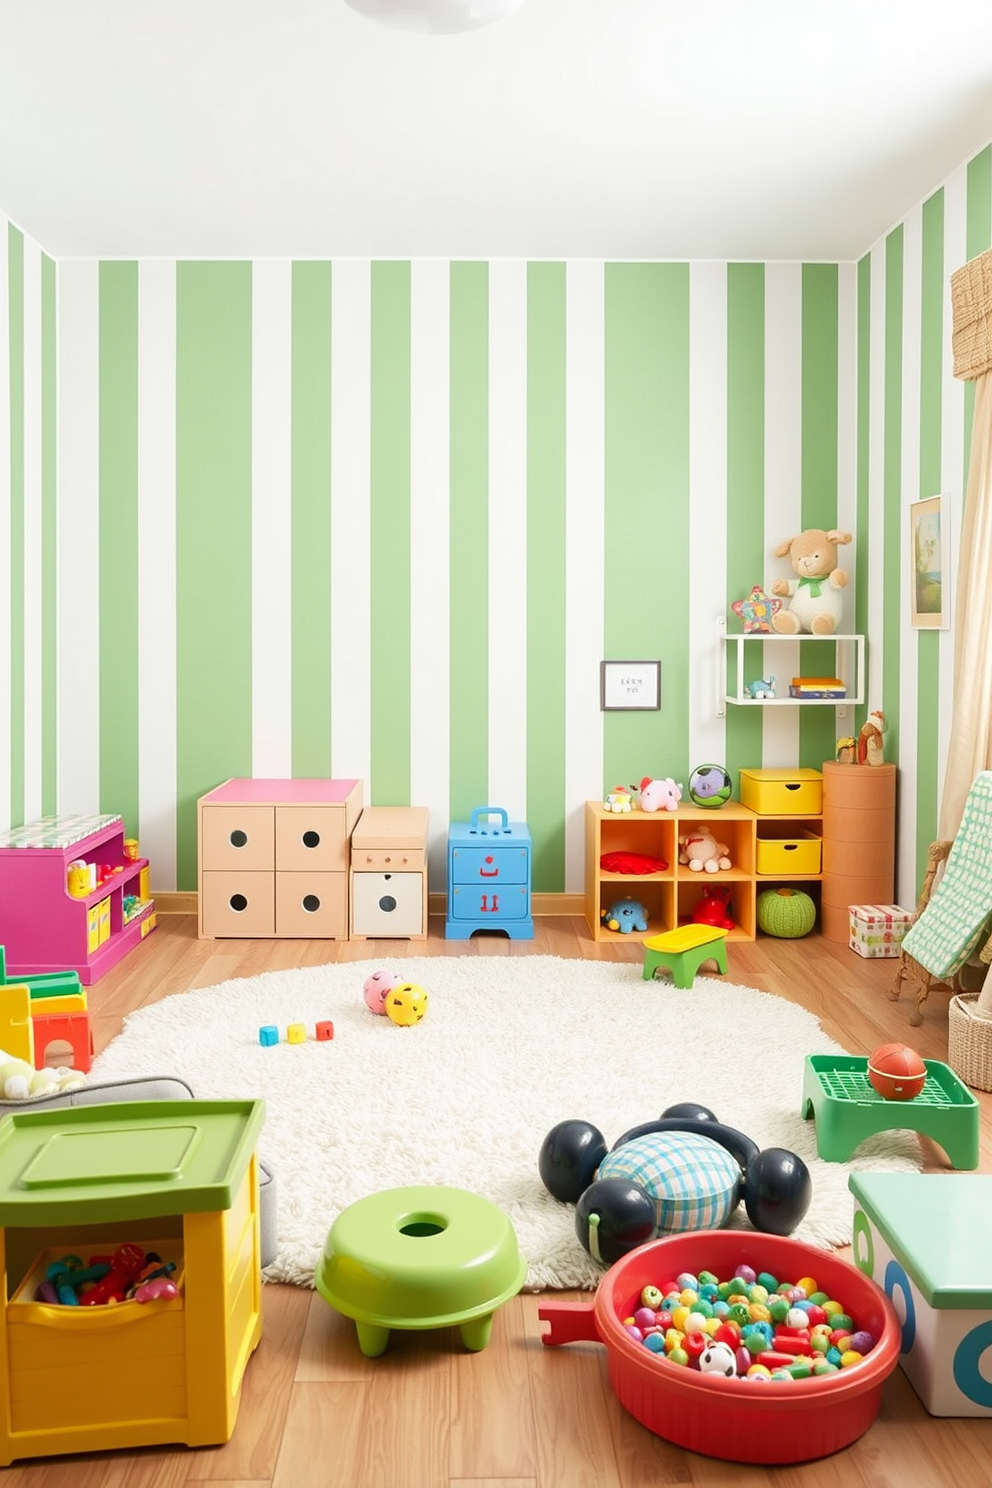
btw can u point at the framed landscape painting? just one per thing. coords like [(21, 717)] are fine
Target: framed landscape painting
[(929, 598)]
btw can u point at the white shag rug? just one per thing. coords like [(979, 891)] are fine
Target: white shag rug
[(509, 1047)]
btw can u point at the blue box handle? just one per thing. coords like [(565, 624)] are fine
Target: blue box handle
[(489, 811)]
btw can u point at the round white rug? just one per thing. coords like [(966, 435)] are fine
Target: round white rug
[(510, 1046)]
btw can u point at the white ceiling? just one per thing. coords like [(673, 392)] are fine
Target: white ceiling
[(729, 129)]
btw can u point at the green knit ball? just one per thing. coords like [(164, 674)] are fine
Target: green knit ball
[(787, 913)]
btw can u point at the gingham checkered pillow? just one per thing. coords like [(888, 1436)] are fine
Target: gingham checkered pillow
[(692, 1179)]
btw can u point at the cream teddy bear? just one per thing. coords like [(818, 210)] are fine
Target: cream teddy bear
[(816, 600), (701, 851)]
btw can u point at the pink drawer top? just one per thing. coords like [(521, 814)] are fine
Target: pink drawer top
[(292, 792)]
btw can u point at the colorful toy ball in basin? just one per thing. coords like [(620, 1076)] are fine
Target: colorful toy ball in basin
[(762, 1421), (896, 1072), (377, 987), (406, 1004)]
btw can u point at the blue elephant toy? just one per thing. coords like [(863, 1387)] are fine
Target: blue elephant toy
[(625, 915)]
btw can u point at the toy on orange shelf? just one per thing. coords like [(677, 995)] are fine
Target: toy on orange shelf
[(870, 739), (710, 786), (625, 915), (845, 752), (714, 907), (700, 850), (660, 795), (377, 987), (406, 1004), (896, 1071), (631, 863), (816, 600), (619, 799)]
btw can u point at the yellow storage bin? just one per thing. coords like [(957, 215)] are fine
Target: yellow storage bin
[(792, 852), (97, 925), (782, 792), (130, 1374)]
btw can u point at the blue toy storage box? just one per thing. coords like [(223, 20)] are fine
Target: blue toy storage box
[(489, 869)]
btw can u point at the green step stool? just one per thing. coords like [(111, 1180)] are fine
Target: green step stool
[(683, 951), (848, 1108), (422, 1257)]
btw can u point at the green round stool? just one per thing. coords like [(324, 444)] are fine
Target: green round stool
[(424, 1257)]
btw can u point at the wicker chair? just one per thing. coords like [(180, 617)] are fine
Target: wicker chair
[(916, 979)]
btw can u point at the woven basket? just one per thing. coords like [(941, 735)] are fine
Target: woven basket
[(971, 314), (969, 1042)]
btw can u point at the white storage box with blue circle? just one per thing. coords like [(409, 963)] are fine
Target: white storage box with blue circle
[(924, 1239)]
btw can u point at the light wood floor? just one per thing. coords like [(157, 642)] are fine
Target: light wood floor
[(314, 1411)]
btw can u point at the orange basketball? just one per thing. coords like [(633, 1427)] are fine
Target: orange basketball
[(896, 1072)]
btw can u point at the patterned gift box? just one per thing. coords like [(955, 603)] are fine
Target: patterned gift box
[(878, 929)]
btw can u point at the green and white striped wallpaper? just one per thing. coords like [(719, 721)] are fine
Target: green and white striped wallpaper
[(384, 519), (28, 530)]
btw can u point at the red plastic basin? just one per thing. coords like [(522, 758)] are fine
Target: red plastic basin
[(738, 1420)]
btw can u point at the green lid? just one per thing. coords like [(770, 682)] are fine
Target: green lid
[(133, 1160), (936, 1225)]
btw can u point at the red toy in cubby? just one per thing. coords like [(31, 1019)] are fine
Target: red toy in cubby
[(714, 907)]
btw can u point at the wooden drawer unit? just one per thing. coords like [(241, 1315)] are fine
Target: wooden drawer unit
[(237, 838), (312, 839), (237, 904), (273, 858), (312, 906), (389, 873)]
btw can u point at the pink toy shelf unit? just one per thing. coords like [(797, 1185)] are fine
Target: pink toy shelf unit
[(45, 928)]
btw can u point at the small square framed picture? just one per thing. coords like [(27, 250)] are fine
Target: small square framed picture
[(629, 686)]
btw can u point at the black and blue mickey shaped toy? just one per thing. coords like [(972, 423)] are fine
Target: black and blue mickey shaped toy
[(651, 1188)]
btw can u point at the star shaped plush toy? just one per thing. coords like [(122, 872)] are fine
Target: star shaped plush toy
[(755, 613)]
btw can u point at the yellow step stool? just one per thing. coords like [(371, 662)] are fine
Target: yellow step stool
[(683, 951)]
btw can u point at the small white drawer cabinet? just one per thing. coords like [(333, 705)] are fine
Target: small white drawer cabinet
[(389, 874), (273, 858)]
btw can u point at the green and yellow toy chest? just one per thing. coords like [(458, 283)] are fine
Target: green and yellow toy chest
[(177, 1178)]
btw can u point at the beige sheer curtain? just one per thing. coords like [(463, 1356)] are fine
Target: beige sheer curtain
[(970, 746)]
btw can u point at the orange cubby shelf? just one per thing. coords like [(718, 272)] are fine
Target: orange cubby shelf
[(668, 895)]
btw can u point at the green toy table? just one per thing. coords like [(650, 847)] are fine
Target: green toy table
[(847, 1107)]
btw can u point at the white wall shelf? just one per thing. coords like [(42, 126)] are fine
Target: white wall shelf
[(846, 660)]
